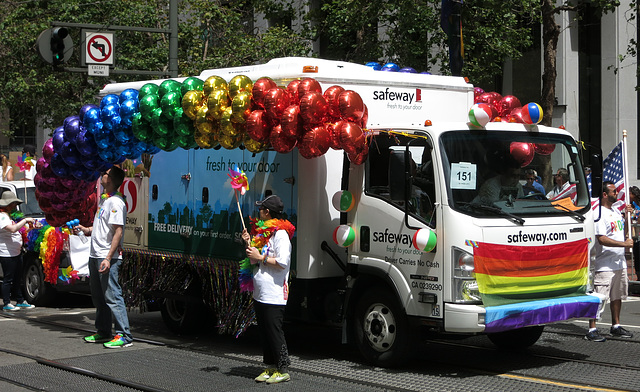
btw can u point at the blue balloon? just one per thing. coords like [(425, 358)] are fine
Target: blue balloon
[(390, 67), (151, 149), (122, 135), (84, 109), (107, 155), (129, 93), (375, 65), (110, 99), (109, 111), (112, 124), (408, 70), (128, 108), (425, 73)]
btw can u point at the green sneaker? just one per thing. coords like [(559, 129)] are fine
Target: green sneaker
[(118, 342), (264, 376), (277, 377), (96, 338)]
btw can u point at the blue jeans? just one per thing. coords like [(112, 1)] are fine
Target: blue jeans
[(106, 294), (12, 280)]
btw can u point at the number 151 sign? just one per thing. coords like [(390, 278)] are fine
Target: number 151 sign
[(463, 175)]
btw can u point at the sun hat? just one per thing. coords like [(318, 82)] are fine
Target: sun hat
[(7, 198)]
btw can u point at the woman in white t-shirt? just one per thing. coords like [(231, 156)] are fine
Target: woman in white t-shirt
[(11, 252), (7, 170)]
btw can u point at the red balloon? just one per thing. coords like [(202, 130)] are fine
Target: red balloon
[(334, 134), (516, 116), (477, 91), (260, 89), (275, 102), (331, 96), (313, 108), (523, 153), (308, 85), (291, 122), (507, 104), (351, 106), (257, 126), (365, 118), (281, 143), (315, 142), (358, 158), (488, 98), (351, 138), (544, 149), (292, 89)]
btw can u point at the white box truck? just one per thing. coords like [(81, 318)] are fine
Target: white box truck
[(504, 264)]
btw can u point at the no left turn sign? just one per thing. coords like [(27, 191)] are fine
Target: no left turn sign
[(99, 48)]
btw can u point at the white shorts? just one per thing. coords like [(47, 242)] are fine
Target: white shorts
[(612, 284)]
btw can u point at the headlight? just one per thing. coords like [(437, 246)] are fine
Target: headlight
[(465, 287)]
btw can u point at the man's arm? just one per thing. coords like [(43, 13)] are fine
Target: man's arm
[(115, 244), (606, 241)]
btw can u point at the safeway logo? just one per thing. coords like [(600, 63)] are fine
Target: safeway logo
[(129, 190), (389, 94)]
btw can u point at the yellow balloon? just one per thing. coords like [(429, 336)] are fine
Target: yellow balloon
[(241, 107), (253, 145), (190, 102), (217, 103), (238, 84), (204, 140), (226, 126), (214, 83), (230, 142)]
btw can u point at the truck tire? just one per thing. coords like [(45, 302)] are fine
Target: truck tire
[(517, 338), (35, 290), (381, 329), (182, 317)]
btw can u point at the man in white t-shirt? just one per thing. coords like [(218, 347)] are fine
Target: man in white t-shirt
[(610, 266), (30, 151), (105, 258)]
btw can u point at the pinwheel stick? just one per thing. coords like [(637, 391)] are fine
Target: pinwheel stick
[(240, 210)]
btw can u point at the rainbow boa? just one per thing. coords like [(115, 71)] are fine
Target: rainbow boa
[(262, 232), (48, 242)]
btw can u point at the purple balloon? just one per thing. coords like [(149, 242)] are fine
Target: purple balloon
[(69, 119), (86, 144), (91, 163), (47, 150), (46, 190), (58, 139), (71, 130), (69, 183), (59, 167), (48, 176), (70, 155), (408, 70)]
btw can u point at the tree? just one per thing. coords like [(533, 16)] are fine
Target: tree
[(212, 34)]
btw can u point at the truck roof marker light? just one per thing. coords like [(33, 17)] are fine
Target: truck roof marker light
[(310, 69), (466, 79), (427, 123), (561, 127)]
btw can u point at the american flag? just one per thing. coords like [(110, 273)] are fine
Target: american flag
[(613, 171)]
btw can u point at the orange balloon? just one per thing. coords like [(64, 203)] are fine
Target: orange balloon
[(292, 90), (315, 142), (331, 96), (291, 122), (313, 108), (352, 138), (308, 85)]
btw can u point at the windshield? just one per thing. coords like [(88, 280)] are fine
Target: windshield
[(513, 172)]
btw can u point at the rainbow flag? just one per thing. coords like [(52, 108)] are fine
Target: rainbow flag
[(509, 274)]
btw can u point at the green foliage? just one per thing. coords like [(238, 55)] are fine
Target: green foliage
[(210, 35)]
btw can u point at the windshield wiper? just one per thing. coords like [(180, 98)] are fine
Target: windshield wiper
[(574, 214), (498, 211)]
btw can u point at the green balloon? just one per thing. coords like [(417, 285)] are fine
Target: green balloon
[(183, 125), (168, 86), (170, 103), (192, 83), (149, 88), (148, 103), (140, 128)]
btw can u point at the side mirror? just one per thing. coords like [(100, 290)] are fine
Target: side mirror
[(398, 175)]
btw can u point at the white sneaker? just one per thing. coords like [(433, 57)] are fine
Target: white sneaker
[(10, 308)]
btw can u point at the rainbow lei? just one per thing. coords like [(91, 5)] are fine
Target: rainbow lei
[(262, 232), (106, 195)]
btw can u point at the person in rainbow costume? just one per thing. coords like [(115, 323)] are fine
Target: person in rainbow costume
[(268, 262)]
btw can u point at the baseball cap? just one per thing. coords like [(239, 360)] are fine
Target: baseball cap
[(273, 203)]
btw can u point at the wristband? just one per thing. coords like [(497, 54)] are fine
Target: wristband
[(264, 259)]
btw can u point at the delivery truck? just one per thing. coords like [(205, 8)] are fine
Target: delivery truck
[(431, 231)]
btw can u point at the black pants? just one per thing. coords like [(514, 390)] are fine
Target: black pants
[(636, 257), (12, 280), (274, 347)]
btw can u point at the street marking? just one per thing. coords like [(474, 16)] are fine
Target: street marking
[(562, 384)]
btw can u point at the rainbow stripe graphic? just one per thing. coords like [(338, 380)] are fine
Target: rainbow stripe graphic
[(530, 285)]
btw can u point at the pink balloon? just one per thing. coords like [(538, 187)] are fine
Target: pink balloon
[(257, 127), (523, 153), (477, 91), (544, 149), (281, 143), (291, 122), (48, 150), (351, 106), (313, 108), (507, 104)]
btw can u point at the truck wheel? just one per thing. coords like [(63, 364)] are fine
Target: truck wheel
[(35, 290), (517, 338), (182, 317), (381, 329)]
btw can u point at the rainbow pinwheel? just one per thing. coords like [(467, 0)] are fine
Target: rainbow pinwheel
[(25, 163), (239, 180)]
